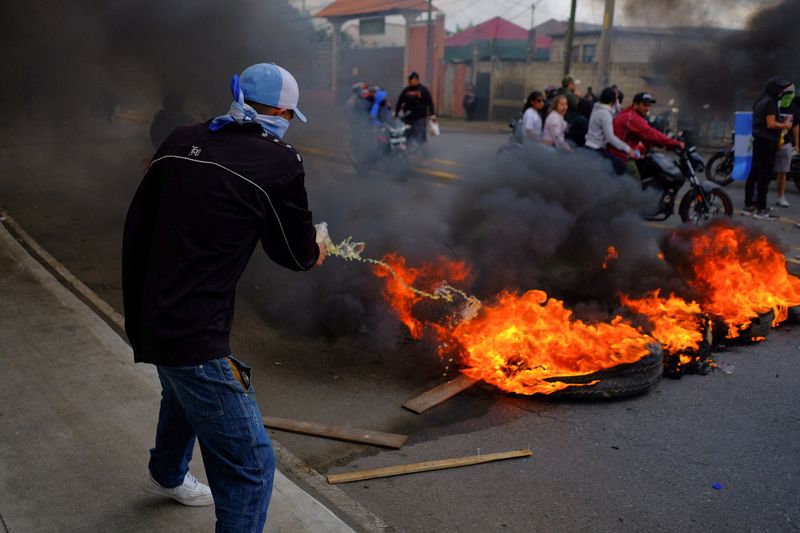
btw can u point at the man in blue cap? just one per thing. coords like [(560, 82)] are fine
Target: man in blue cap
[(211, 193)]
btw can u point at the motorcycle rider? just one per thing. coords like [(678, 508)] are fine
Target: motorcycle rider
[(379, 111), (600, 134), (631, 126)]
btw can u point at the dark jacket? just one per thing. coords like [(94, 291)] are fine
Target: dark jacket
[(767, 105), (416, 102), (205, 202)]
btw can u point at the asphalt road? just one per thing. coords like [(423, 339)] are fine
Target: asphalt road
[(642, 464)]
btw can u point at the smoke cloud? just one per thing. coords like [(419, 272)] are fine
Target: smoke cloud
[(72, 59), (731, 71), (686, 12), (532, 219)]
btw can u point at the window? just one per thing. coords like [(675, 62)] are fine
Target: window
[(372, 26), (589, 53)]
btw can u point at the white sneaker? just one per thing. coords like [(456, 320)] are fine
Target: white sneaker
[(764, 214), (191, 492), (782, 202)]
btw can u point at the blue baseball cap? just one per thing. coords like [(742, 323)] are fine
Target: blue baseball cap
[(269, 84)]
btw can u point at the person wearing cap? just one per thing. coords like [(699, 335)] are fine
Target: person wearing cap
[(568, 87), (631, 126), (212, 192), (600, 134), (415, 105), (766, 132)]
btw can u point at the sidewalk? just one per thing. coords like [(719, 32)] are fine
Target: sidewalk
[(77, 418)]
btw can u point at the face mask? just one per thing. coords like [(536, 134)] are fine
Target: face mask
[(786, 99), (273, 124)]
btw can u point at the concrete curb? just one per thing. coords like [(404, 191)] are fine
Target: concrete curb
[(344, 507)]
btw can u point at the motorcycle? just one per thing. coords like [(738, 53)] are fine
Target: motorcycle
[(720, 167), (382, 146), (702, 201)]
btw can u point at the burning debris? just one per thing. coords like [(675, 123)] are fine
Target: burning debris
[(525, 343), (681, 328), (531, 343), (737, 275)]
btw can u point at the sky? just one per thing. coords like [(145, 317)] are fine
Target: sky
[(463, 12)]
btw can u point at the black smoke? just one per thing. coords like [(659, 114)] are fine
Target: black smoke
[(70, 60), (530, 219), (729, 72)]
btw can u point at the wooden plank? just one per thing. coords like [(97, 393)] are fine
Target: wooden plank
[(440, 394), (362, 436), (426, 466)]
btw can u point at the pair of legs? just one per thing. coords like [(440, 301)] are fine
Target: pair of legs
[(215, 403), (419, 131), (783, 164), (761, 171)]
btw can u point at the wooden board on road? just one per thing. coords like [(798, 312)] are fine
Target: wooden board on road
[(361, 436), (440, 394), (426, 466)]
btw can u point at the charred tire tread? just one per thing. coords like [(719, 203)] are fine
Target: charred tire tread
[(618, 382)]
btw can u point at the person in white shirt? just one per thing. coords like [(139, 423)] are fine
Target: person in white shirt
[(531, 119), (555, 126), (601, 129)]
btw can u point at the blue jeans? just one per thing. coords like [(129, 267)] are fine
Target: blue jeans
[(207, 401)]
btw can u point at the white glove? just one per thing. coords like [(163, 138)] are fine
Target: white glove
[(322, 233)]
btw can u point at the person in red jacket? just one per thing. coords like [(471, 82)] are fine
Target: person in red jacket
[(632, 127)]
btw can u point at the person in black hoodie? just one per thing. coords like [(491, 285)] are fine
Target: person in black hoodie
[(213, 191), (415, 105), (766, 130)]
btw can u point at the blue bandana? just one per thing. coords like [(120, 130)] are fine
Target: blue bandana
[(242, 113)]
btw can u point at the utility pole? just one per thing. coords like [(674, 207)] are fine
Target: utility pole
[(569, 37), (429, 48), (532, 37), (604, 53)]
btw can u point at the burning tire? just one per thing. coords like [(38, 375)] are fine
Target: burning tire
[(757, 331), (617, 382)]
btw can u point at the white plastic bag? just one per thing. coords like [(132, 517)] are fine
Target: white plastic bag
[(433, 128)]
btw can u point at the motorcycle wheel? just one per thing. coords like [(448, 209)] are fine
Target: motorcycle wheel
[(693, 209), (720, 168)]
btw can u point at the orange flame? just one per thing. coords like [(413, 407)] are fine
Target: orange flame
[(676, 323), (426, 277), (611, 255), (523, 344), (740, 277)]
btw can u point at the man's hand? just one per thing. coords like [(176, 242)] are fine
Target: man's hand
[(682, 145), (323, 251), (322, 241), (433, 118)]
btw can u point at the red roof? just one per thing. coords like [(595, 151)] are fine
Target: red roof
[(497, 28), (355, 8)]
